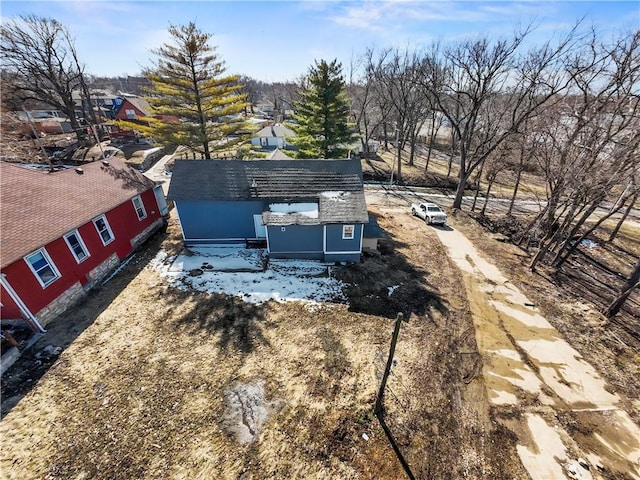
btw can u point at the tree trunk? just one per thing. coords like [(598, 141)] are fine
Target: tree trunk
[(624, 217), (486, 199), (431, 140), (450, 160), (632, 282), (517, 183), (477, 185), (457, 201), (568, 245), (412, 149), (399, 153), (560, 259)]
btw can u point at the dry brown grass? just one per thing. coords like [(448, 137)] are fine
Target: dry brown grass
[(140, 392)]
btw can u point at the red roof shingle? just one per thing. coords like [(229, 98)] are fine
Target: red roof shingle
[(37, 207)]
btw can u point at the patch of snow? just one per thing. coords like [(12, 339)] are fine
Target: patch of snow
[(392, 289), (588, 243), (219, 258), (282, 281), (247, 410), (338, 196), (307, 209)]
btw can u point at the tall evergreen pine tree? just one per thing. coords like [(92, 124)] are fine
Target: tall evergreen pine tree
[(187, 81), (322, 129)]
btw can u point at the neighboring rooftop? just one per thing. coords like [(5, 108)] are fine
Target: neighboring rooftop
[(277, 130), (37, 207)]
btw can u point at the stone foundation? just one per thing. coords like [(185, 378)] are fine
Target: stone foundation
[(60, 304), (146, 233), (102, 270)]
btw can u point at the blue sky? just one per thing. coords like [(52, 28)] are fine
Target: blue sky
[(279, 40)]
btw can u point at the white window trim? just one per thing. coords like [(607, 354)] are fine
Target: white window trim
[(144, 210), (46, 256), (82, 244), (353, 232), (106, 222)]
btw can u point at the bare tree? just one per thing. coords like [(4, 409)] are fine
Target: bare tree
[(396, 79), (632, 282), (592, 147), (623, 218), (39, 53), (366, 106), (487, 90)]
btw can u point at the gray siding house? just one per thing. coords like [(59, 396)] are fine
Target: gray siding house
[(273, 136), (301, 209)]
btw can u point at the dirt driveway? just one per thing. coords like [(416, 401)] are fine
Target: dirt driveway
[(529, 367)]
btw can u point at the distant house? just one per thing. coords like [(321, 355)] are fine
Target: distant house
[(63, 232), (131, 108), (273, 136), (265, 107), (308, 209)]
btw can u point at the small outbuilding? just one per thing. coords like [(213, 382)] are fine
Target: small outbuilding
[(299, 209)]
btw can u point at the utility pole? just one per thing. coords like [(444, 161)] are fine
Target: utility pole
[(394, 339)]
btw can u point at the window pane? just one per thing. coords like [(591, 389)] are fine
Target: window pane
[(47, 274), (42, 268), (38, 261)]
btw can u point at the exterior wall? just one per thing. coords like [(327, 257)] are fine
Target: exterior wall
[(335, 243), (342, 257), (203, 221), (9, 308), (102, 270), (146, 233), (66, 289), (295, 241), (369, 244)]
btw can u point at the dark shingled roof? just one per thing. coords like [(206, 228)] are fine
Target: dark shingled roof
[(276, 181)]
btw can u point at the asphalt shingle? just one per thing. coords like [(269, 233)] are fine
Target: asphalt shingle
[(276, 181), (37, 207)]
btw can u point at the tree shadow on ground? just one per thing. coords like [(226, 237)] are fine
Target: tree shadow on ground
[(386, 283), (238, 324), (25, 373)]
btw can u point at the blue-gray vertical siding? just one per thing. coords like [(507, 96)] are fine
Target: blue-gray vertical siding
[(217, 221), (335, 242), (295, 241)]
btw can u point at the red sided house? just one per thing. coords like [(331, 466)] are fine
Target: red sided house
[(62, 232)]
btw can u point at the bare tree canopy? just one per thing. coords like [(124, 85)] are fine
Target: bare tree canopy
[(487, 89), (41, 57)]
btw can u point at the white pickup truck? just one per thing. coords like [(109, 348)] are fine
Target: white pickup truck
[(429, 212)]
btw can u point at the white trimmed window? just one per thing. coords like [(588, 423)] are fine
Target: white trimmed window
[(104, 230), (348, 232), (77, 246), (42, 267), (139, 206)]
